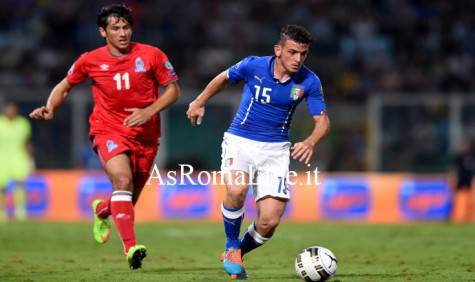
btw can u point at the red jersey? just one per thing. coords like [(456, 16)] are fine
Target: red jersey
[(119, 83)]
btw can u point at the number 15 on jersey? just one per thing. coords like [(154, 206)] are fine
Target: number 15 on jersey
[(265, 97)]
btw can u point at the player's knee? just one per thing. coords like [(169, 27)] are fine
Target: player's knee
[(268, 224), (122, 182), (237, 195)]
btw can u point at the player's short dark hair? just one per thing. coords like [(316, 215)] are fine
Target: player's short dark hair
[(120, 11), (296, 33)]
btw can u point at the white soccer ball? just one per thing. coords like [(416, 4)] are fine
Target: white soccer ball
[(315, 264)]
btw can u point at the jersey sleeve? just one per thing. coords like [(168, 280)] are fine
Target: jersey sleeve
[(239, 71), (163, 70), (315, 100), (76, 73)]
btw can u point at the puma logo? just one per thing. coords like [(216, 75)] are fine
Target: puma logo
[(258, 78), (122, 216)]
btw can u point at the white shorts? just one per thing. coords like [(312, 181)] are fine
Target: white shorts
[(267, 164)]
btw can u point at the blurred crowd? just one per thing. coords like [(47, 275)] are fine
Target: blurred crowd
[(361, 47)]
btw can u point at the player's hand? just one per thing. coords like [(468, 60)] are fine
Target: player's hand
[(137, 117), (42, 113), (302, 151), (195, 113)]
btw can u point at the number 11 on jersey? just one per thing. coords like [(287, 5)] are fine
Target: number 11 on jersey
[(118, 80)]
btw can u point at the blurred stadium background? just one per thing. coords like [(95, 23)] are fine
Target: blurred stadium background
[(398, 78), (397, 75)]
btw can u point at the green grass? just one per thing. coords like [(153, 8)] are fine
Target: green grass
[(190, 252)]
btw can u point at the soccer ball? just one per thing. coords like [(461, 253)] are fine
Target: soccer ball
[(315, 264)]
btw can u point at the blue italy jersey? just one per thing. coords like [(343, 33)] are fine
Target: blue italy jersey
[(267, 105)]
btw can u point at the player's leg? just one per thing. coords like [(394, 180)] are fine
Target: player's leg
[(271, 194), (20, 200), (140, 180), (3, 210), (141, 160), (118, 168), (4, 179), (101, 208), (269, 213), (106, 147), (20, 169), (232, 209), (142, 157), (238, 168)]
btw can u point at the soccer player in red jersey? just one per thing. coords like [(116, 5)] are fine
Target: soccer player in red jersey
[(125, 123)]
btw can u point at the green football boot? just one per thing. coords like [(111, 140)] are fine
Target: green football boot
[(102, 227), (135, 255)]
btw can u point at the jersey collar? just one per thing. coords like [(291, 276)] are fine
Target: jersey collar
[(132, 47)]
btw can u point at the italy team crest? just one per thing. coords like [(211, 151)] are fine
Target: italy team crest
[(139, 65), (228, 162), (296, 92)]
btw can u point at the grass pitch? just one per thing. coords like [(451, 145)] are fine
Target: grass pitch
[(189, 251)]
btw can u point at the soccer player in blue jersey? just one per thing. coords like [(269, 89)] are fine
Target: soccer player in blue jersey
[(256, 147)]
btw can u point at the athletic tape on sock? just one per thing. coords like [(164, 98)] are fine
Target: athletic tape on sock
[(122, 196), (255, 235), (230, 213)]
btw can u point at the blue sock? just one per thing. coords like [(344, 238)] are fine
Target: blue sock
[(232, 219), (251, 240)]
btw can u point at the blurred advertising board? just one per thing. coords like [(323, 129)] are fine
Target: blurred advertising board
[(362, 197)]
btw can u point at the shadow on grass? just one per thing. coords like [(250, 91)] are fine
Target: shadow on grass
[(378, 275), (167, 270), (275, 277), (215, 273)]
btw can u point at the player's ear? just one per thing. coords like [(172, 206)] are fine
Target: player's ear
[(277, 50), (102, 31)]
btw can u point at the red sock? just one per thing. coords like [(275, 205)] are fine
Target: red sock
[(123, 214), (103, 210)]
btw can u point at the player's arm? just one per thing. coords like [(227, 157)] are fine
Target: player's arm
[(303, 151), (140, 116), (55, 99), (196, 109)]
